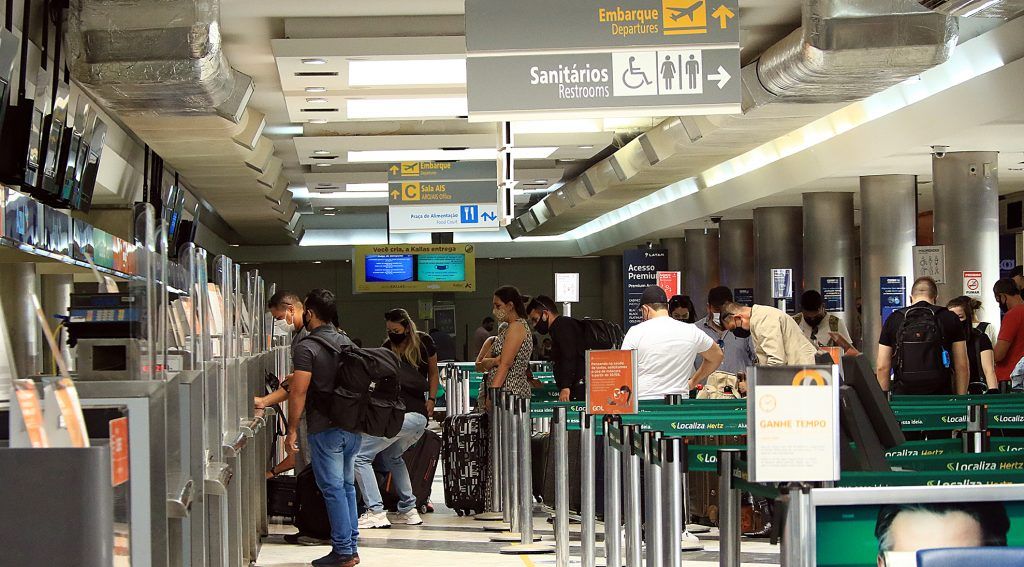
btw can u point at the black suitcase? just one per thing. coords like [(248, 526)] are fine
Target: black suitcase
[(465, 453), (539, 459), (311, 514), (421, 460), (281, 496), (576, 475)]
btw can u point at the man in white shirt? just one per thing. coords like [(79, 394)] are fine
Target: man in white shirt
[(818, 325), (666, 350)]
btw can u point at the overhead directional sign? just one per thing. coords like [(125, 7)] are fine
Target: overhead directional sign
[(445, 192), (443, 218), (584, 58), (444, 171), (443, 196)]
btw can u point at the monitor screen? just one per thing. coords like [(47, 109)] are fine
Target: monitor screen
[(440, 267), (389, 268)]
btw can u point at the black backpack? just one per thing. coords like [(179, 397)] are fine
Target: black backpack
[(918, 359), (367, 394), (599, 334)]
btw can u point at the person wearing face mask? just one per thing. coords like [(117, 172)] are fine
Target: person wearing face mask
[(980, 356), (509, 362), (739, 352), (567, 347), (416, 349), (777, 338), (816, 324), (287, 310), (1009, 348), (681, 308), (666, 350)]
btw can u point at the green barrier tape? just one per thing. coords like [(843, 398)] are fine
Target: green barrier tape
[(930, 478), (961, 400), (964, 462), (925, 448), (704, 458), (1007, 444), (691, 424), (741, 481)]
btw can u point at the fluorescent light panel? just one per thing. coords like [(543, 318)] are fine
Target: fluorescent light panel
[(471, 154), (380, 73), (407, 108), (367, 187)]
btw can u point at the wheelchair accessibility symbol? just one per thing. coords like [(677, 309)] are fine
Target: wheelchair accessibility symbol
[(635, 74)]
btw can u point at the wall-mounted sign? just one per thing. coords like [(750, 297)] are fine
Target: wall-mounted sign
[(892, 291), (611, 382), (930, 261), (640, 267), (567, 288), (972, 284), (833, 291)]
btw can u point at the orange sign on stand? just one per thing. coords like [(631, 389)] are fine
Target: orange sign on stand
[(119, 460), (670, 282), (611, 382)]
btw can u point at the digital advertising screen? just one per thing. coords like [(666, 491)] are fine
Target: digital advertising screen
[(389, 268), (414, 268), (441, 267)]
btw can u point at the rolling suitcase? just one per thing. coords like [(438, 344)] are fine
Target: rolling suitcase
[(465, 452), (421, 460), (282, 500)]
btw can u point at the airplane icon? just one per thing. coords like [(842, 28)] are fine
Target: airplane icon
[(688, 12)]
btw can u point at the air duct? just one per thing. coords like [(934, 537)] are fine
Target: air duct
[(1005, 9)]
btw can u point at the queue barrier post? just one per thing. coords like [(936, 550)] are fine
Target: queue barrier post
[(728, 510), (588, 522), (612, 498), (672, 457), (495, 514), (561, 441), (632, 508), (466, 407), (976, 438), (797, 541), (524, 481), (653, 496), (509, 527)]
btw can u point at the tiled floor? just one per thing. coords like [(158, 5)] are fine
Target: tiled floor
[(446, 539)]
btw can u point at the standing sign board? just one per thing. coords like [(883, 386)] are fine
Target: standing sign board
[(444, 317), (584, 59), (930, 261), (892, 291), (567, 288), (639, 270), (833, 291), (793, 424), (670, 282), (611, 382), (972, 284), (442, 197)]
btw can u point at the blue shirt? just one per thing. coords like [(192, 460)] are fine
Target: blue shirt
[(739, 353)]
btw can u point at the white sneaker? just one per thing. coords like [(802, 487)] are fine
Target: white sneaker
[(410, 518), (370, 520)]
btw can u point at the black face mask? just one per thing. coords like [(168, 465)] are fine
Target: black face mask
[(1002, 305), (397, 338), (542, 326), (815, 321), (741, 333)]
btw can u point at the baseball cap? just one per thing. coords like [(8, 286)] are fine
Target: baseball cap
[(653, 294)]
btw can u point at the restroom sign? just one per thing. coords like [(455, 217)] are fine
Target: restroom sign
[(972, 284)]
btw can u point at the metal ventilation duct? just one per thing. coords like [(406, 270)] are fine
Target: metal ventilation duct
[(845, 50), (155, 55), (1006, 9)]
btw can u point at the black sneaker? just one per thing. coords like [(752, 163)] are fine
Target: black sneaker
[(334, 560)]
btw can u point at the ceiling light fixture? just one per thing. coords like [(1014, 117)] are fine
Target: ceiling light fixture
[(587, 147), (314, 61), (317, 100), (376, 108), (316, 89), (321, 165), (318, 121), (558, 126), (367, 187), (466, 154), (349, 195), (377, 73), (328, 208), (321, 153)]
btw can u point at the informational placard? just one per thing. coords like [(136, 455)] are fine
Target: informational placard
[(793, 424), (426, 309), (744, 296), (972, 284), (119, 457), (930, 261), (442, 197), (444, 317), (670, 282), (782, 283), (583, 59), (567, 288), (833, 291), (892, 291), (640, 267), (611, 382), (414, 268)]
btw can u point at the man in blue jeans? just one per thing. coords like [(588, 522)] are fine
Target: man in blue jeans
[(332, 450)]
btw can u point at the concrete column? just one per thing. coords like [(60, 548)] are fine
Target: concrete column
[(675, 249), (778, 232), (736, 254), (56, 291), (829, 246), (611, 288), (702, 271), (17, 282), (966, 188), (888, 233)]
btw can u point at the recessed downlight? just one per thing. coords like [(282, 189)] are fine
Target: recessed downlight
[(314, 61), (316, 89), (329, 208), (318, 121), (317, 100), (321, 153), (321, 165)]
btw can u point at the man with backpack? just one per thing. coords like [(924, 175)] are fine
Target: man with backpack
[(816, 324), (567, 347), (332, 449), (923, 347)]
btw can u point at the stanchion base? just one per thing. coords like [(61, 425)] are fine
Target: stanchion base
[(697, 529), (527, 549), (497, 527), (489, 517), (507, 537)]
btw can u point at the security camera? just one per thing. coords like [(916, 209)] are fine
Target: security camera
[(939, 151), (716, 220)]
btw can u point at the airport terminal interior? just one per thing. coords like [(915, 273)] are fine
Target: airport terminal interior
[(616, 283)]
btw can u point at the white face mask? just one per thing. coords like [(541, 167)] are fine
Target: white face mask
[(282, 328), (717, 318)]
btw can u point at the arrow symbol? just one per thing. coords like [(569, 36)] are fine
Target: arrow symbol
[(722, 77), (395, 195), (393, 170), (723, 14), (489, 216)]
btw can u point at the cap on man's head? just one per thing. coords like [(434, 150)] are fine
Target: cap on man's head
[(653, 294)]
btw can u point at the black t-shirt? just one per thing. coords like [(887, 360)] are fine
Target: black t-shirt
[(415, 396), (977, 343), (310, 356), (567, 351), (949, 324)]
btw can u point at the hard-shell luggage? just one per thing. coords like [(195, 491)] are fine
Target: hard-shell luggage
[(421, 460), (703, 486), (282, 500), (539, 448), (465, 448), (311, 515)]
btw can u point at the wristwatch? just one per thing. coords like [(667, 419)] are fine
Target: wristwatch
[(432, 399)]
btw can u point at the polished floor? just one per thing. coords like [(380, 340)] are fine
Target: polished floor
[(445, 539)]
